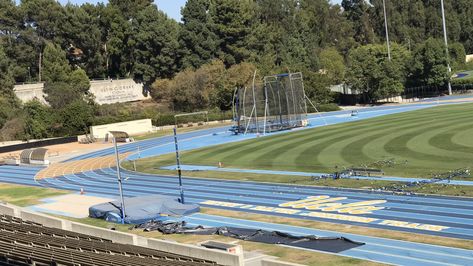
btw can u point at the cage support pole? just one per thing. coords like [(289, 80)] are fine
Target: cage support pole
[(265, 108), (249, 121), (323, 118), (294, 116), (303, 91), (234, 111), (254, 103)]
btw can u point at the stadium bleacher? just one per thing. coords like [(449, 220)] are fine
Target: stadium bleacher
[(29, 243)]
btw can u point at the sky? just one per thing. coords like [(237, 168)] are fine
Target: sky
[(171, 7)]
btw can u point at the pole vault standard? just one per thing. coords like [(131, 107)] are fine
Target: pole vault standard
[(181, 190), (176, 144), (119, 178)]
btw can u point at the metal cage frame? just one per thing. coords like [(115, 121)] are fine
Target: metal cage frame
[(279, 103)]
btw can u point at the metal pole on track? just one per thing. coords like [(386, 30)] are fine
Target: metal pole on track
[(449, 70), (178, 161), (119, 178), (254, 104), (265, 108), (386, 28)]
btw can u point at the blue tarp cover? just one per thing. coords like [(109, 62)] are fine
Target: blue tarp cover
[(142, 209)]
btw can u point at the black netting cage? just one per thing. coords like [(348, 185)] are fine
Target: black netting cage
[(278, 103)]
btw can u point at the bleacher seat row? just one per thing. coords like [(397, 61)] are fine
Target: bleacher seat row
[(28, 243)]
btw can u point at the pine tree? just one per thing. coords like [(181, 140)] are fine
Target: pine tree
[(155, 46), (429, 64), (55, 65), (6, 77), (196, 39), (233, 22), (357, 11)]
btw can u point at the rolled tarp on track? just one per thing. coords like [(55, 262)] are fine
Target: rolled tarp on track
[(327, 244)]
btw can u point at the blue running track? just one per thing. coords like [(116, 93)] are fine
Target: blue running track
[(433, 215)]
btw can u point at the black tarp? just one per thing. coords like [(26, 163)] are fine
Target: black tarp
[(142, 209), (328, 244)]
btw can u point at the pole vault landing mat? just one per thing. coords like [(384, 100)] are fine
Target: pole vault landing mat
[(327, 244), (142, 209)]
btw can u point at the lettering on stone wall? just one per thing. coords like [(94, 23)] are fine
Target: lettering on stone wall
[(113, 92)]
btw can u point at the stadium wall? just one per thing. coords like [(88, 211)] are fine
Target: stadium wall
[(28, 92), (117, 91), (221, 257), (105, 91), (134, 127), (116, 237), (37, 144), (8, 209), (272, 262), (469, 58), (45, 220)]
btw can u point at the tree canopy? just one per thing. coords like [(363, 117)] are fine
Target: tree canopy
[(196, 63)]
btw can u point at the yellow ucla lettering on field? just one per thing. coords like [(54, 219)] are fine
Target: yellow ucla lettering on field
[(328, 204), (428, 227)]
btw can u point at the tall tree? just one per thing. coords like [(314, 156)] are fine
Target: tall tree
[(8, 101), (56, 68), (44, 16), (457, 55), (6, 77), (130, 8), (117, 41), (333, 65), (370, 72), (155, 46), (233, 22), (196, 38), (82, 38), (38, 120), (9, 21), (464, 9), (429, 64), (63, 85), (358, 12)]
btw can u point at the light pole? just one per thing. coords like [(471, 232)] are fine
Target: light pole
[(449, 70), (386, 28), (119, 178)]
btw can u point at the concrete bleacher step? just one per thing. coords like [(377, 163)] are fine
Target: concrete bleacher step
[(255, 258), (84, 243), (23, 242)]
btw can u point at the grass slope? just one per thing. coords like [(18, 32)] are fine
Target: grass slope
[(422, 142), (26, 195)]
